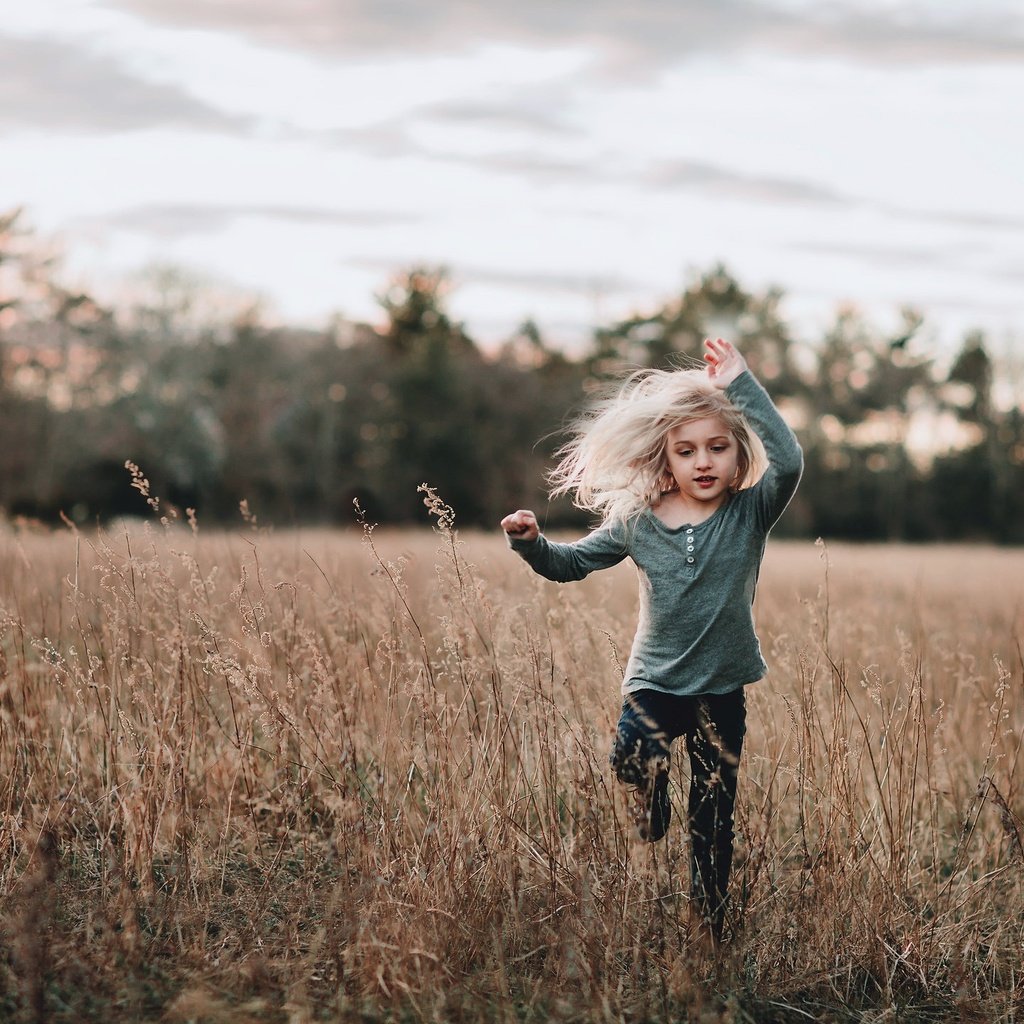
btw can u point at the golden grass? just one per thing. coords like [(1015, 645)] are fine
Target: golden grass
[(304, 776)]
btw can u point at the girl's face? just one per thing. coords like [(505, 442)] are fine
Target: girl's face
[(703, 457)]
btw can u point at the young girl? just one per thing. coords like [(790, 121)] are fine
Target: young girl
[(670, 465)]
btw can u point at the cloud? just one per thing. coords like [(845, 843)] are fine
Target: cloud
[(875, 254), (1013, 274), (387, 140), (536, 117), (911, 33), (573, 284), (171, 220), (981, 221), (687, 174), (530, 164), (537, 114), (393, 139), (470, 274), (51, 85), (636, 37)]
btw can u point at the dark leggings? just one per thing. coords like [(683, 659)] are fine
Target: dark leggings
[(714, 726)]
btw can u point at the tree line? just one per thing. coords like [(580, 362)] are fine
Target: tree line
[(301, 423)]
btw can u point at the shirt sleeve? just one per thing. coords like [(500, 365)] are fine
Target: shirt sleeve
[(774, 490), (564, 563)]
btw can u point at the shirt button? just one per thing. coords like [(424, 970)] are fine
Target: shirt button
[(690, 530), (690, 559), (690, 548)]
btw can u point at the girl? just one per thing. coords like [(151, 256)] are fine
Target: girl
[(670, 465)]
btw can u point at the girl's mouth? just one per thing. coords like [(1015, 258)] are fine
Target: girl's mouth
[(705, 481)]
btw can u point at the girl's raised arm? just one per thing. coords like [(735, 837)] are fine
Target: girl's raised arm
[(726, 370)]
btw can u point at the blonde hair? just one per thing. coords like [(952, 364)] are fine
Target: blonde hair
[(615, 461)]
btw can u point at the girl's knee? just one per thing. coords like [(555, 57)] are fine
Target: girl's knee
[(641, 748), (627, 762), (634, 765)]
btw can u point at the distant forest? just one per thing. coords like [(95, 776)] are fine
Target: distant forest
[(900, 445)]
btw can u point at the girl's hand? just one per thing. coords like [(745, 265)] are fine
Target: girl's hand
[(521, 525), (725, 364)]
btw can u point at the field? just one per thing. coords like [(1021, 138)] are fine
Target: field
[(270, 777)]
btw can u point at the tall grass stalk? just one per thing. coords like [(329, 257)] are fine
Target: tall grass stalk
[(363, 775)]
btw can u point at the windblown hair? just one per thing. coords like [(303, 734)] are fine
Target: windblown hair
[(615, 461)]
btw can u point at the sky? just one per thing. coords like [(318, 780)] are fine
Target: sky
[(573, 162)]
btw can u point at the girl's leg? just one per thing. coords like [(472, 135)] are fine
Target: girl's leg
[(640, 757), (714, 738)]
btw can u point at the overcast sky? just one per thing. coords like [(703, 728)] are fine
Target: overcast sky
[(569, 160)]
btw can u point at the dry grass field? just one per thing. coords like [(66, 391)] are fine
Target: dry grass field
[(295, 777)]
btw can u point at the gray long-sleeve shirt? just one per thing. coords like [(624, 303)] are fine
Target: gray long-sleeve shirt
[(695, 630)]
